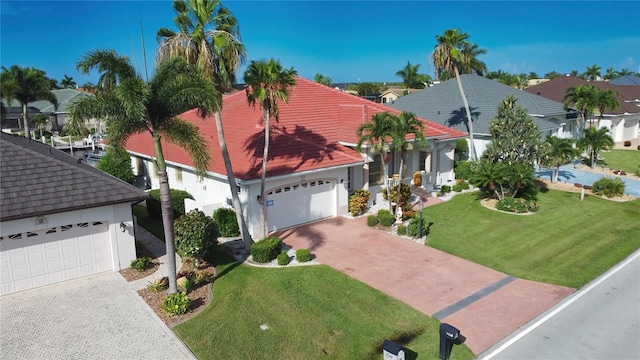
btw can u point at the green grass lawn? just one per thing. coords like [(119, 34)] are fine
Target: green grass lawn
[(627, 160), (568, 242), (313, 312)]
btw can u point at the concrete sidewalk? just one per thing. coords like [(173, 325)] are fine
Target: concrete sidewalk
[(484, 304)]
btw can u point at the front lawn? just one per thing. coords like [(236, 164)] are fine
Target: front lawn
[(626, 160), (312, 312), (568, 242)]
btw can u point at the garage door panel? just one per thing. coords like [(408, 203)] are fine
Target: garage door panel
[(54, 256), (300, 203)]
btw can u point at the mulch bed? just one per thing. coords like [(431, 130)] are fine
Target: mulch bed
[(199, 296), (130, 274)]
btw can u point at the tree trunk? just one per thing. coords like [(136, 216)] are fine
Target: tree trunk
[(25, 119), (385, 173), (265, 156), (472, 147), (400, 179), (167, 215), (242, 224), (593, 159)]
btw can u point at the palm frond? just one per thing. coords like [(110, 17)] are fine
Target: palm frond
[(187, 136)]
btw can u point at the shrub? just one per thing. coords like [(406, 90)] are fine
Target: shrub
[(303, 255), (227, 222), (176, 304), (402, 230), (386, 218), (638, 147), (457, 188), (158, 285), (409, 214), (117, 162), (140, 264), (185, 283), (372, 220), (414, 227), (195, 234), (517, 205), (199, 277), (358, 201), (405, 193), (177, 202), (463, 169), (462, 146), (283, 258), (609, 187), (266, 249), (445, 189)]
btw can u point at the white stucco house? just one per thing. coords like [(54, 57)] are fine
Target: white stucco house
[(60, 218), (312, 167)]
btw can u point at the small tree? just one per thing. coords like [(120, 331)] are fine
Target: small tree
[(593, 141), (195, 234), (117, 162)]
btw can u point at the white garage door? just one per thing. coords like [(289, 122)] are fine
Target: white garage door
[(629, 131), (300, 203), (33, 259)]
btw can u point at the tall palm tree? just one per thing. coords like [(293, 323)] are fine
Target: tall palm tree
[(606, 100), (25, 85), (446, 57), (410, 77), (68, 83), (556, 152), (267, 83), (406, 124), (209, 37), (113, 67), (377, 133), (592, 73), (583, 99), (470, 62), (133, 106), (610, 74), (593, 141)]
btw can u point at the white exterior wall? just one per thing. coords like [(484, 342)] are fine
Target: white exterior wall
[(122, 245)]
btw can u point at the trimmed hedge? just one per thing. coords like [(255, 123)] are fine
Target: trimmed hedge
[(195, 234), (386, 218), (303, 255), (266, 249), (177, 202), (402, 230), (227, 222), (372, 220), (283, 258)]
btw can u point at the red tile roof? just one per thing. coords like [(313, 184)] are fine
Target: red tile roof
[(308, 135)]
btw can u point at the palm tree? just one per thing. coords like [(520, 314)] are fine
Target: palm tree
[(583, 99), (25, 85), (406, 124), (68, 83), (324, 80), (520, 176), (133, 106), (470, 62), (624, 72), (446, 56), (266, 83), (209, 37), (113, 67), (592, 73), (593, 141), (556, 152), (606, 100), (490, 176), (610, 74), (377, 133), (410, 77)]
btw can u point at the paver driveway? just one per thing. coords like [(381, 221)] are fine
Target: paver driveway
[(97, 317), (484, 304)]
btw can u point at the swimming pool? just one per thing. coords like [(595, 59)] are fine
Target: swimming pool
[(570, 175)]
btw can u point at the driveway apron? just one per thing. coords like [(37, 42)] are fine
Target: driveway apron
[(96, 317), (484, 304)]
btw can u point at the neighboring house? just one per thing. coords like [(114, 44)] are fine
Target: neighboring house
[(626, 80), (443, 104), (392, 93), (60, 218), (312, 168), (623, 123), (57, 116)]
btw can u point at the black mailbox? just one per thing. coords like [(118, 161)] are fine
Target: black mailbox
[(449, 335)]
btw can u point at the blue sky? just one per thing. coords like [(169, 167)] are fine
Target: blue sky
[(345, 40)]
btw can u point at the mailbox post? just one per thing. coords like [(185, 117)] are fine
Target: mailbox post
[(449, 335)]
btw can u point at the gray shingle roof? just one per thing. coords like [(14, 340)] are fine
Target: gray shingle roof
[(626, 80), (64, 96), (36, 179), (442, 103)]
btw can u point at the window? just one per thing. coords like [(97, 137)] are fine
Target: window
[(423, 159), (179, 175), (375, 171), (349, 170)]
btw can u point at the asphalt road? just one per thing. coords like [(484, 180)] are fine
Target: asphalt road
[(600, 321)]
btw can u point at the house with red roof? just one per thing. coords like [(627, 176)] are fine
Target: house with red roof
[(313, 166)]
